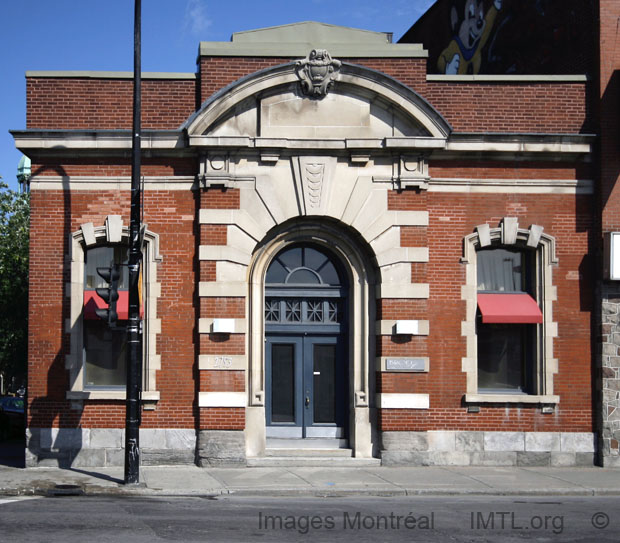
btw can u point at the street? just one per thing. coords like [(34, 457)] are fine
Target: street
[(361, 519)]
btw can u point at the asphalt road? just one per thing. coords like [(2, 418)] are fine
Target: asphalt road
[(237, 519)]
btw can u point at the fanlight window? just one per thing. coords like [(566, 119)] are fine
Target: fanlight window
[(303, 287), (302, 266)]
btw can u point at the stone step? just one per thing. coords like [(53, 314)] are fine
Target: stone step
[(308, 452), (312, 462), (307, 443)]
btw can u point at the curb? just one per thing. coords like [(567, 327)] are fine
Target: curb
[(85, 490)]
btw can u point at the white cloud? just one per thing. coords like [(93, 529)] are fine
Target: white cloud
[(196, 20)]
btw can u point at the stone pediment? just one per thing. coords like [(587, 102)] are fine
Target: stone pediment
[(356, 103)]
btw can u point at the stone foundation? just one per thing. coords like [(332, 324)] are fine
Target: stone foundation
[(221, 448), (609, 368), (456, 448), (102, 447)]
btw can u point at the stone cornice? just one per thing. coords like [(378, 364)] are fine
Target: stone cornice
[(33, 141), (57, 142)]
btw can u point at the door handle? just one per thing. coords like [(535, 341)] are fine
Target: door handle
[(307, 401)]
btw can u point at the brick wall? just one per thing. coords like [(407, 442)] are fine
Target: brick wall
[(106, 104), (76, 103), (557, 108), (55, 215), (566, 217)]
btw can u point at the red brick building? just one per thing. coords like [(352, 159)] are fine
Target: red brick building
[(342, 252)]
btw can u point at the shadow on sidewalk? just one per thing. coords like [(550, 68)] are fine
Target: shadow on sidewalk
[(13, 452), (97, 475)]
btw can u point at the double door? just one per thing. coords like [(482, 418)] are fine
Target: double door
[(306, 386)]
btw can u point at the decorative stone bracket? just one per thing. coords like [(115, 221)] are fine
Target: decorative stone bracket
[(409, 172), (216, 171)]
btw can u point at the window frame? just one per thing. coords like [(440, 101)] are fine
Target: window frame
[(122, 324), (509, 236), (88, 237)]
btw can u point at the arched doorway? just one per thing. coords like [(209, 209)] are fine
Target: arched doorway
[(306, 344), (353, 262)]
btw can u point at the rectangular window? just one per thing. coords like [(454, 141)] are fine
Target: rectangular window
[(508, 321), (105, 351), (105, 354), (506, 357)]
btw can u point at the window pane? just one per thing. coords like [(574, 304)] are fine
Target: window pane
[(324, 383), (283, 383), (303, 266), (500, 270), (313, 259), (291, 258), (302, 276), (329, 275), (105, 354), (101, 257), (502, 353), (272, 310), (276, 273), (292, 310)]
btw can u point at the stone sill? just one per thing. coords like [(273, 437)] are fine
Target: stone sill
[(150, 396), (512, 398)]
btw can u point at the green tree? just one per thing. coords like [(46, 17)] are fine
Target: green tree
[(14, 246)]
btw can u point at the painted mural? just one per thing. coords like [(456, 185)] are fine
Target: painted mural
[(506, 36)]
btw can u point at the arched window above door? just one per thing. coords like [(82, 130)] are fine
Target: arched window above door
[(304, 286), (303, 266)]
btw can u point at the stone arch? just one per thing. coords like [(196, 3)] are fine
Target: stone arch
[(245, 94), (358, 262)]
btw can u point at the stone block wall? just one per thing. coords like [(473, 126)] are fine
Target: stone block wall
[(100, 447), (609, 381), (464, 448), (608, 363), (221, 448)]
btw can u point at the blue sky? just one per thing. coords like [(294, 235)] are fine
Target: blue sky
[(98, 35)]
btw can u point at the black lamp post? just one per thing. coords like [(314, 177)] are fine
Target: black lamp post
[(134, 330)]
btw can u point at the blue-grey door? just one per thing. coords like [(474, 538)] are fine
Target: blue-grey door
[(306, 358), (306, 386)]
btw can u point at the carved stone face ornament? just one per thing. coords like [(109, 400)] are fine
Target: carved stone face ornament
[(317, 73)]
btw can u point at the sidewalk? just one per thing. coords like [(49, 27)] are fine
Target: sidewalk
[(313, 481)]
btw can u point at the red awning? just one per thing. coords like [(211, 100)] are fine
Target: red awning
[(92, 302), (509, 308)]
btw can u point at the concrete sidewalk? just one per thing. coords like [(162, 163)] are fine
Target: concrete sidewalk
[(313, 481)]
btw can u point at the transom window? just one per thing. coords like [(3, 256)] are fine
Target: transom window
[(304, 286), (303, 265)]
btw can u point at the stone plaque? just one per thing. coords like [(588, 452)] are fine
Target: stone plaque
[(222, 362), (405, 364)]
